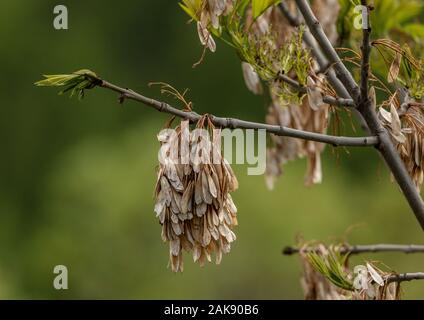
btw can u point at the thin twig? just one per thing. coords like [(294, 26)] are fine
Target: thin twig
[(237, 123), (293, 83), (358, 249), (334, 101), (341, 102), (365, 62)]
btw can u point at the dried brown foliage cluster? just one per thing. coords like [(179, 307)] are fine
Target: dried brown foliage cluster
[(406, 129), (311, 114), (193, 201)]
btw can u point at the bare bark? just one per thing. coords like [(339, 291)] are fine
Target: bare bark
[(374, 248), (334, 101), (405, 277), (358, 249)]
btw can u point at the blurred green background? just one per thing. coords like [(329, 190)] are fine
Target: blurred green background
[(77, 178)]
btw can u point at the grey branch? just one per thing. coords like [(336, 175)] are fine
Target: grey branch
[(293, 83), (358, 249), (405, 277), (334, 101), (237, 123), (385, 146)]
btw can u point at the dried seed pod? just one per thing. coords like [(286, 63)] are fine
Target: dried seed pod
[(394, 68), (407, 132), (208, 16), (193, 201), (251, 78), (285, 149), (205, 37), (314, 95)]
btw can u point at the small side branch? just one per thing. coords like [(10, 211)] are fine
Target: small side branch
[(334, 101), (365, 64), (358, 249), (242, 124)]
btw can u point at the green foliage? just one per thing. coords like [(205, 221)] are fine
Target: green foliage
[(415, 30), (331, 266), (191, 7), (75, 82), (260, 6), (391, 15), (414, 81)]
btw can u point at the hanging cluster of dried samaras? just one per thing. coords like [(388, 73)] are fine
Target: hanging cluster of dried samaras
[(366, 282), (311, 114), (406, 128), (402, 114), (193, 201)]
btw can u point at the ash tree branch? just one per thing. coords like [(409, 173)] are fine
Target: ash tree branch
[(402, 277), (385, 146), (293, 83), (365, 63), (242, 124), (359, 249)]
